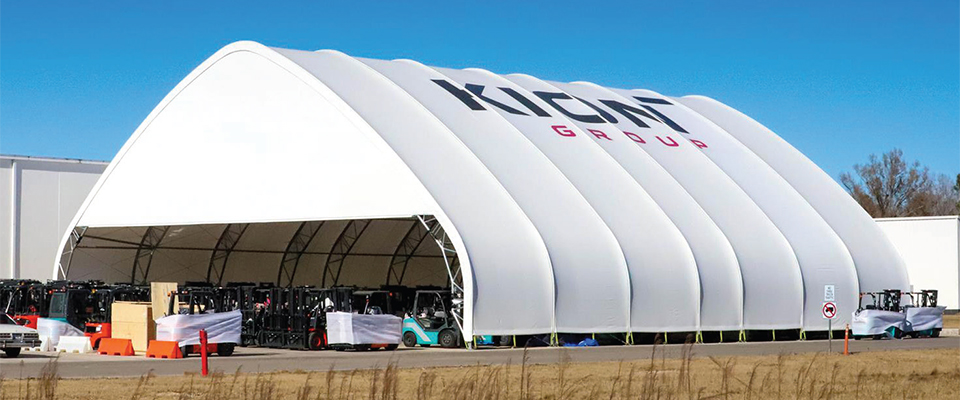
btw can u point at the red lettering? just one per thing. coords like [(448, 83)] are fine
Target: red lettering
[(599, 134), (563, 130), (635, 137), (673, 143), (698, 143)]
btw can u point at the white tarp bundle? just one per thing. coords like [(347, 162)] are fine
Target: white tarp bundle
[(875, 322), (923, 318), (50, 330), (221, 327), (350, 328)]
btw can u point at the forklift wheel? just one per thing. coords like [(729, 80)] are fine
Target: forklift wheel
[(936, 332), (225, 349), (315, 340), (184, 350), (409, 339), (392, 346), (448, 339), (361, 347)]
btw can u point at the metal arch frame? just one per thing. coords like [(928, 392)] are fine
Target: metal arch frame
[(295, 248), (450, 260), (221, 252), (341, 249), (76, 235), (405, 251), (148, 247)]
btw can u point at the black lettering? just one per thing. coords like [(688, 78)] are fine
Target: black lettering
[(551, 99), (526, 102), (460, 94), (665, 119), (630, 112), (477, 90), (603, 113)]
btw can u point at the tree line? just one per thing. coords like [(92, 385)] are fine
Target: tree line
[(889, 186)]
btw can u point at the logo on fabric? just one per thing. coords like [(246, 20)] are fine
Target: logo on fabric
[(644, 110)]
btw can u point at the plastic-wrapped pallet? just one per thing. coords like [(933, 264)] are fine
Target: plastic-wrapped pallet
[(50, 331), (221, 327), (350, 328), (875, 322), (923, 318)]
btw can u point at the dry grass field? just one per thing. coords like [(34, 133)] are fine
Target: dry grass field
[(951, 321), (926, 374)]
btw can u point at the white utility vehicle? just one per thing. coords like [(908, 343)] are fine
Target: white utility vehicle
[(14, 337)]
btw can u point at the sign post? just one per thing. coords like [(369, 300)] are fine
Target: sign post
[(830, 297), (829, 311)]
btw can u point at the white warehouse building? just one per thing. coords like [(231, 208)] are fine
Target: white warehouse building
[(38, 199), (930, 247), (546, 207)]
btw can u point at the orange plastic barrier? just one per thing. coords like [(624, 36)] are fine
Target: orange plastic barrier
[(115, 347), (163, 349)]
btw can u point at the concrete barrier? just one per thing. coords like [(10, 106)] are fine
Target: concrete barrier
[(74, 344)]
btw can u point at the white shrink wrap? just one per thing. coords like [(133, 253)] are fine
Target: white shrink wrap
[(223, 327), (923, 318), (350, 328), (875, 322), (50, 331)]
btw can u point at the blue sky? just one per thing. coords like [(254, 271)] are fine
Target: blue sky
[(838, 81)]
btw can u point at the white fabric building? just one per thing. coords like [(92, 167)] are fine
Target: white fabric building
[(38, 198), (930, 247), (552, 207)]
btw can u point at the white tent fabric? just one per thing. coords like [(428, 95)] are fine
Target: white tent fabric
[(823, 258), (573, 208), (879, 265)]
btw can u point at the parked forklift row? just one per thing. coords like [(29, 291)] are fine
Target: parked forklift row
[(277, 317)]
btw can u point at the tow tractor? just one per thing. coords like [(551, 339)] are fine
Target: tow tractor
[(431, 321)]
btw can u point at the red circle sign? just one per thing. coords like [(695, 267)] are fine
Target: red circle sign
[(829, 310)]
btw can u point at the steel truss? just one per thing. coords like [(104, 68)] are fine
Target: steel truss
[(450, 260), (221, 253), (405, 251), (295, 248), (341, 248), (148, 247), (75, 237)]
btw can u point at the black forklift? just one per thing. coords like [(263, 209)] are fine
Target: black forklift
[(431, 321), (295, 318), (200, 300)]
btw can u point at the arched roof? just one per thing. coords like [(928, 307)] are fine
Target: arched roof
[(573, 207)]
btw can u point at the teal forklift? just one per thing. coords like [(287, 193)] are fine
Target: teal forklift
[(431, 321)]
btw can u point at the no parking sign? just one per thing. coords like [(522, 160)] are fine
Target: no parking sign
[(829, 310)]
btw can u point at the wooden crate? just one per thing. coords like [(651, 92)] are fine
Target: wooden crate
[(134, 321), (160, 297)]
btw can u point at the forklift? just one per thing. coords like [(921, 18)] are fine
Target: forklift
[(98, 325), (924, 299), (431, 321), (199, 300), (887, 301)]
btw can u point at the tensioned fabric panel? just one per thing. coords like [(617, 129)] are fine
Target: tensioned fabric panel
[(878, 264), (579, 243), (493, 231), (772, 286), (721, 286), (234, 147), (658, 254), (823, 258)]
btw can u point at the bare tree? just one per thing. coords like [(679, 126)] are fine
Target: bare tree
[(888, 186)]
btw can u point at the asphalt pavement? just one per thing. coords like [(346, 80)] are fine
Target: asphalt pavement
[(29, 364)]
